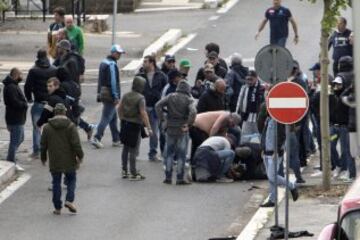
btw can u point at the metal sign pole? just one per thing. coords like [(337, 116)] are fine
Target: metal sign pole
[(356, 27), (275, 146), (287, 182), (114, 22)]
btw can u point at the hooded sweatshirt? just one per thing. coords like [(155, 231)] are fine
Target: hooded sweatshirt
[(15, 102), (132, 101), (180, 109), (60, 139)]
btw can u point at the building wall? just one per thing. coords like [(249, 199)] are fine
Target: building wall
[(98, 6)]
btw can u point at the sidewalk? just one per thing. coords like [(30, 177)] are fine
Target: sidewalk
[(312, 211)]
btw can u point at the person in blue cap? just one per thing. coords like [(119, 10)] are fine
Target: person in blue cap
[(108, 93)]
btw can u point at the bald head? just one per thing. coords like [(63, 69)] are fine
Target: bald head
[(69, 21), (220, 86)]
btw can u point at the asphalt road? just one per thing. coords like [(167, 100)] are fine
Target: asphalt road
[(111, 208)]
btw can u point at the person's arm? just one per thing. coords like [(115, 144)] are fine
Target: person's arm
[(113, 81), (192, 114), (44, 146), (121, 110), (75, 143), (145, 117), (261, 27), (81, 42), (28, 87), (295, 27), (201, 106), (159, 108), (218, 124), (12, 100)]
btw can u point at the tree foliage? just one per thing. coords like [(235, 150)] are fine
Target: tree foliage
[(3, 5)]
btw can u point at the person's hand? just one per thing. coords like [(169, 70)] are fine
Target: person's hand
[(257, 35), (150, 132), (296, 39)]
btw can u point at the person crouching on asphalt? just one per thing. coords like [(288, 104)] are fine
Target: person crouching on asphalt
[(61, 142), (181, 114), (133, 115)]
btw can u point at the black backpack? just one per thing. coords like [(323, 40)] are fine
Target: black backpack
[(72, 90)]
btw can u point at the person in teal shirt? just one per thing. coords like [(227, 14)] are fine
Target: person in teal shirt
[(75, 35)]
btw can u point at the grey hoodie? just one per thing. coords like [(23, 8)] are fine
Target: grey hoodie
[(180, 109)]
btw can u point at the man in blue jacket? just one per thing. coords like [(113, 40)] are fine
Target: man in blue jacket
[(109, 94)]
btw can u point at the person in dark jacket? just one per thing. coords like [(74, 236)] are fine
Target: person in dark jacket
[(56, 95), (235, 79), (15, 112), (132, 112), (155, 83), (36, 92), (213, 98), (341, 42), (168, 64), (60, 142), (109, 94), (213, 59)]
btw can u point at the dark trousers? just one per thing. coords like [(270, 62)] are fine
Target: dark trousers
[(197, 136), (70, 181), (335, 68)]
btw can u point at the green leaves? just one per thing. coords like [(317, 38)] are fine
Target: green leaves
[(3, 5)]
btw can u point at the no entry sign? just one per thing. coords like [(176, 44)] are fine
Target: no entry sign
[(287, 102)]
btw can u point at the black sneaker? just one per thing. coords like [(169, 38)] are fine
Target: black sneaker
[(167, 181), (300, 181), (268, 204), (294, 194), (125, 174), (137, 177), (182, 182)]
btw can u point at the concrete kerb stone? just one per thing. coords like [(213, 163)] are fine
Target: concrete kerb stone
[(167, 39), (7, 171)]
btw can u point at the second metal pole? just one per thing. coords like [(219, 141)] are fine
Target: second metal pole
[(287, 182), (113, 39)]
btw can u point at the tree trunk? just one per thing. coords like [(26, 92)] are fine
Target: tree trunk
[(324, 104)]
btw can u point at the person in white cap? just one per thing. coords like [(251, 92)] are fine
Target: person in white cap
[(109, 94)]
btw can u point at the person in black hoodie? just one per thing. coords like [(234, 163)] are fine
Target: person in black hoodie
[(36, 92), (15, 113), (213, 98), (56, 95)]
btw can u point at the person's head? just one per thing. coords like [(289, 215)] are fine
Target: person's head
[(41, 54), (59, 14), (338, 85), (209, 70), (63, 47), (341, 24), (296, 68), (16, 74), (60, 109), (53, 84), (276, 3), (251, 78), (149, 63), (139, 84), (234, 120), (220, 86), (61, 35), (213, 58), (116, 51), (346, 64), (184, 67), (170, 62), (175, 76), (69, 22), (316, 70), (184, 87), (236, 59), (212, 47)]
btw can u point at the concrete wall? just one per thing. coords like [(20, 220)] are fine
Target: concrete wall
[(98, 6)]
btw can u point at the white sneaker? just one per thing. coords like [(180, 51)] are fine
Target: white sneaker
[(19, 168), (344, 176), (348, 180), (336, 173), (96, 143), (224, 180), (117, 144), (317, 173)]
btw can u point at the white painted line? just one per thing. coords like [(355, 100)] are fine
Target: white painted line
[(11, 189), (144, 10), (249, 60), (214, 18), (181, 44), (169, 38), (230, 4), (289, 103)]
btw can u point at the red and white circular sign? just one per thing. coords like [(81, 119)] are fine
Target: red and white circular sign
[(287, 102)]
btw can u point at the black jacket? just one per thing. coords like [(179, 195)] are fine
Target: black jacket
[(210, 101), (348, 98), (339, 112), (153, 94), (235, 79), (74, 64), (59, 96), (15, 102), (36, 81), (219, 71)]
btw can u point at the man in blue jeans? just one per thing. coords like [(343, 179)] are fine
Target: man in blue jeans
[(109, 95), (15, 113), (60, 142)]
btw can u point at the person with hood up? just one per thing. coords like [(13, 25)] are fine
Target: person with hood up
[(133, 115), (181, 114), (15, 113), (36, 92), (213, 98), (60, 142)]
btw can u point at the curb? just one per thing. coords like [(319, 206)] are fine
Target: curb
[(7, 171), (167, 39)]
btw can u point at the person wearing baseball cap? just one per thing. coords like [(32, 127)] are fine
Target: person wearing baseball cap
[(184, 67), (169, 64), (109, 94)]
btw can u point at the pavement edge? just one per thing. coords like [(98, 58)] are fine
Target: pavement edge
[(7, 172)]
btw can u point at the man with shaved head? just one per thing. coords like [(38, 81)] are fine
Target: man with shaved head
[(213, 98), (75, 35)]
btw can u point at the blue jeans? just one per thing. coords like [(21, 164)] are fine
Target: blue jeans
[(294, 154), (108, 117), (176, 145), (280, 42), (70, 181), (269, 165), (16, 138), (36, 110), (153, 141), (226, 158), (345, 162)]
